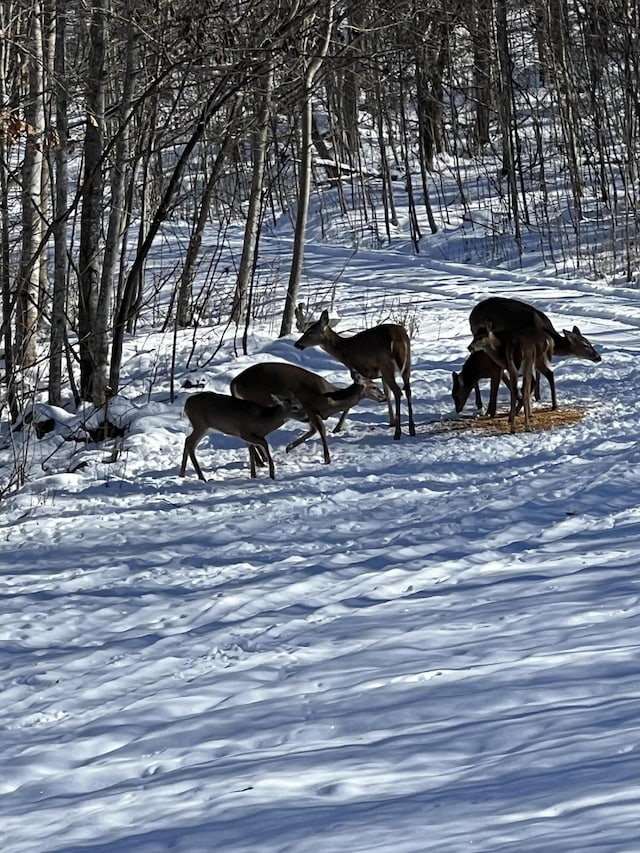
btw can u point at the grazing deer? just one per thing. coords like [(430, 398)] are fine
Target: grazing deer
[(502, 313), (519, 352), (479, 365), (378, 352), (319, 399), (208, 411)]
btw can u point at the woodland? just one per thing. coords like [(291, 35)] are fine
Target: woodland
[(124, 123), (427, 643)]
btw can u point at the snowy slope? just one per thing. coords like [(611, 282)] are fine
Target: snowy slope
[(429, 645)]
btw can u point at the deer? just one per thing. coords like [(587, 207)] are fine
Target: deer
[(519, 351), (503, 313), (379, 352), (208, 411), (479, 365), (319, 398)]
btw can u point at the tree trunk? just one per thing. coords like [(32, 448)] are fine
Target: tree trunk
[(252, 228), (304, 188), (505, 111), (101, 390), (483, 57), (59, 300), (29, 273), (8, 300), (91, 219), (183, 313)]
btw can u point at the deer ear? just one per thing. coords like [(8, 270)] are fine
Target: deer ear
[(324, 317)]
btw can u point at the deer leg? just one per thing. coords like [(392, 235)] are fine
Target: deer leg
[(190, 444), (185, 456), (392, 387), (298, 441), (513, 378), (323, 439), (252, 460), (409, 396), (522, 393), (317, 425), (536, 387), (257, 441), (526, 399), (476, 388), (387, 392), (260, 458), (548, 374), (493, 395), (343, 416)]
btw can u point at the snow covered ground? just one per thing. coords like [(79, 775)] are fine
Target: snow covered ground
[(429, 645)]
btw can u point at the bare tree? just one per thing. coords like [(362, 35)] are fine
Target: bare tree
[(259, 145), (483, 55), (61, 178), (312, 66), (101, 333), (92, 203), (28, 284), (229, 136), (505, 111)]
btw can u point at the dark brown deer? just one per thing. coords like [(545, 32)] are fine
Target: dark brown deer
[(379, 352), (211, 412), (319, 398), (501, 313), (520, 352)]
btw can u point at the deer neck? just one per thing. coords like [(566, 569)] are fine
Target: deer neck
[(561, 345), (334, 344), (350, 395), (272, 417)]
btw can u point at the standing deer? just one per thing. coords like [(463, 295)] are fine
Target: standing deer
[(319, 399), (208, 411), (519, 352), (501, 313), (381, 352)]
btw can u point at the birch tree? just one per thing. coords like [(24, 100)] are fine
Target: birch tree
[(61, 178), (28, 284)]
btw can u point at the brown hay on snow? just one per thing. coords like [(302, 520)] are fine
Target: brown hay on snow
[(541, 419)]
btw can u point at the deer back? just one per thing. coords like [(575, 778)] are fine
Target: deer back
[(501, 313), (208, 410), (260, 381)]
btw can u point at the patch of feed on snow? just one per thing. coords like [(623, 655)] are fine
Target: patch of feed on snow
[(541, 419)]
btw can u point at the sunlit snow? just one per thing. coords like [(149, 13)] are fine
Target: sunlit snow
[(431, 644)]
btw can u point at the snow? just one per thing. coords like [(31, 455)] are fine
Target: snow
[(430, 644)]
